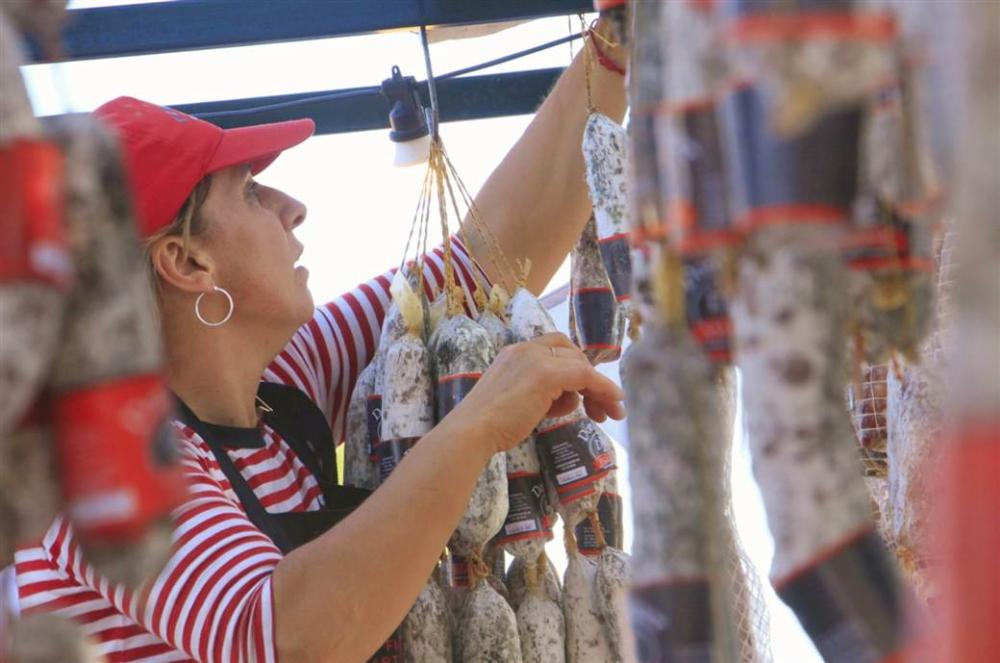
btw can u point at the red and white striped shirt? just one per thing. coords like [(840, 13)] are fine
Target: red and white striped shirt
[(213, 601)]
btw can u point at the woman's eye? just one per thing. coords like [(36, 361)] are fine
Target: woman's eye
[(252, 190)]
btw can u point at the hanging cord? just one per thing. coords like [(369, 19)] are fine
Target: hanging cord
[(595, 524), (497, 256), (479, 570), (588, 65)]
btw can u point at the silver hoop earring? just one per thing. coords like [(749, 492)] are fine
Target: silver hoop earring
[(229, 314)]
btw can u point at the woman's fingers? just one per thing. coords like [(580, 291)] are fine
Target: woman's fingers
[(563, 405)]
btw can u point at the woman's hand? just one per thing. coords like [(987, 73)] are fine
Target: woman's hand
[(545, 377)]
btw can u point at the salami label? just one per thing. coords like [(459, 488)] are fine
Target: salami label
[(699, 214), (891, 244), (848, 602), (672, 622), (595, 310), (34, 246), (391, 651), (451, 389), (609, 510), (575, 455), (374, 408), (391, 452), (618, 263), (782, 180), (458, 571), (526, 515), (707, 313)]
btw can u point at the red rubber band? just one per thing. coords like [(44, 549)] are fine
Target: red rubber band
[(602, 58)]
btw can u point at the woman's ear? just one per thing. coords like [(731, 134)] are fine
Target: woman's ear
[(188, 271)]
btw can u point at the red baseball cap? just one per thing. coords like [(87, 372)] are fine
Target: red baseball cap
[(168, 152)]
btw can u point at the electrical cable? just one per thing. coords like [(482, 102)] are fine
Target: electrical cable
[(362, 91)]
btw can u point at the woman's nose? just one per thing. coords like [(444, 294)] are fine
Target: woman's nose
[(292, 212)]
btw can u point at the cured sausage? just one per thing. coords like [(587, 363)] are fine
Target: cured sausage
[(596, 316), (604, 154), (408, 397), (789, 320), (462, 350), (359, 470), (427, 628), (587, 637), (676, 443), (109, 399), (487, 631)]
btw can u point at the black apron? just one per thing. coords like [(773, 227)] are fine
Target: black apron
[(304, 428)]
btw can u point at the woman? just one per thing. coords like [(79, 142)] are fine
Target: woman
[(234, 307)]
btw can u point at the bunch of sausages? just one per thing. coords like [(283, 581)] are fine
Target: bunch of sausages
[(430, 355), (782, 215)]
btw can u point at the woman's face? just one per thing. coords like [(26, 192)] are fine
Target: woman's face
[(249, 236)]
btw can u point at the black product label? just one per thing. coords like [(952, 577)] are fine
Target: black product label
[(609, 510), (893, 243), (672, 621), (391, 452), (526, 515), (707, 313), (374, 409), (849, 602), (596, 323), (574, 455), (698, 212), (783, 181), (451, 389), (618, 263), (391, 651)]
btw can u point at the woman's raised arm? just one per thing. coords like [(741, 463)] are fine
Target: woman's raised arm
[(535, 203)]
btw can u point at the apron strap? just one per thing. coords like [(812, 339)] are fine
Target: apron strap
[(304, 428), (255, 511)]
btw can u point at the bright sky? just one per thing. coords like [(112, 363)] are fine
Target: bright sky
[(360, 206)]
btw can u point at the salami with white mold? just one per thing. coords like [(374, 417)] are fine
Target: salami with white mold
[(35, 262), (612, 590), (604, 153), (575, 455), (408, 396), (359, 470), (789, 320), (427, 628), (487, 631), (110, 399), (517, 581), (462, 350), (674, 428), (587, 637), (541, 629)]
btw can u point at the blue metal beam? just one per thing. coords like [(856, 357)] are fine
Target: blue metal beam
[(194, 24), (466, 98)]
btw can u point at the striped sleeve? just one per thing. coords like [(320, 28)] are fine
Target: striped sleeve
[(212, 602), (327, 354)]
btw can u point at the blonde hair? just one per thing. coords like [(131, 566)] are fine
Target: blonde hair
[(187, 224)]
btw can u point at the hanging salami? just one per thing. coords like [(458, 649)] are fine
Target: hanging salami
[(596, 315), (106, 382), (604, 143), (359, 470), (680, 600), (789, 323), (408, 397)]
